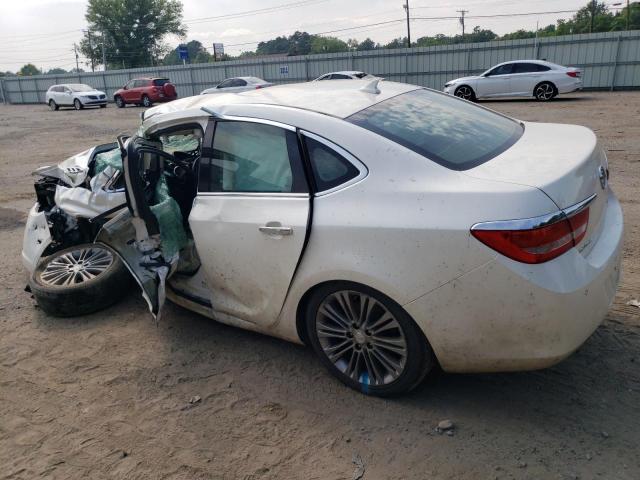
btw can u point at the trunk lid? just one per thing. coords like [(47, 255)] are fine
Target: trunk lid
[(564, 161)]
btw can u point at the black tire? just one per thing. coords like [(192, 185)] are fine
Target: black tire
[(53, 105), (119, 101), (545, 91), (417, 363), (77, 104), (87, 296), (465, 92), (103, 106), (146, 101)]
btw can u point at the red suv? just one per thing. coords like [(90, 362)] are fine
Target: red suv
[(145, 91)]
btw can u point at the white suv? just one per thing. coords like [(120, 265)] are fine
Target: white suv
[(77, 95), (523, 78)]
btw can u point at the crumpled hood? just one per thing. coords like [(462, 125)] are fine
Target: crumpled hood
[(72, 171)]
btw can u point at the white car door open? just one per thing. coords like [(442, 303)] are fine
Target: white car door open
[(249, 218)]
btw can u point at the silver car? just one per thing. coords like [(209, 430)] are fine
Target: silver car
[(76, 95), (238, 84)]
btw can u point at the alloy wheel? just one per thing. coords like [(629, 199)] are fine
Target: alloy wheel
[(544, 91), (464, 92), (361, 337), (76, 266), (76, 104)]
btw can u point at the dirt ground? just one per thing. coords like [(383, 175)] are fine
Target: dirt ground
[(107, 395)]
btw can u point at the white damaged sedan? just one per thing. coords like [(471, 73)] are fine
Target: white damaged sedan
[(389, 227)]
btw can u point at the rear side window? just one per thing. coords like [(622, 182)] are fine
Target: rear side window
[(330, 169), (238, 82), (525, 68), (456, 134), (340, 76), (159, 82), (541, 68)]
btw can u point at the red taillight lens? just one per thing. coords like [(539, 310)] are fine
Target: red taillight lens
[(258, 87), (537, 245), (574, 74)]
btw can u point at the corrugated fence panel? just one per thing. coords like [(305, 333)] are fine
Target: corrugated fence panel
[(609, 59)]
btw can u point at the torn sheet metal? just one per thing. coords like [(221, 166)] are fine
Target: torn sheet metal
[(84, 203), (72, 171), (37, 238)]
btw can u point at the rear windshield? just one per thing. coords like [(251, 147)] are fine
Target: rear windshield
[(159, 82), (452, 132)]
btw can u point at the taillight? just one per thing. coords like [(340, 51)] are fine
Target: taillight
[(575, 74), (534, 245), (258, 87)]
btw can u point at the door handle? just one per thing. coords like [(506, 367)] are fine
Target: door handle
[(268, 230)]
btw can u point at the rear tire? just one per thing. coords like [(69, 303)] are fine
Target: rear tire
[(77, 104), (53, 105), (119, 102), (146, 101), (545, 91), (465, 92), (79, 280), (103, 106), (382, 353)]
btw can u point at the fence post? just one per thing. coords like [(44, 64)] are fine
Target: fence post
[(264, 72), (615, 64), (193, 82), (2, 90), (104, 85), (20, 89), (306, 68)]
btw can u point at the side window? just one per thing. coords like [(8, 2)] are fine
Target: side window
[(252, 157), (225, 84), (325, 77), (502, 70), (238, 82), (330, 169), (541, 68), (140, 83), (524, 68), (130, 84), (340, 76)]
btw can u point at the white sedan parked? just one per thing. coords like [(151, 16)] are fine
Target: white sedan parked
[(238, 84), (76, 95), (523, 78), (344, 216), (345, 75)]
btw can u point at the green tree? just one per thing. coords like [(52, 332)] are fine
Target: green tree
[(400, 42), (197, 54), (328, 45), (56, 71), (300, 43), (367, 44), (132, 30), (632, 14), (28, 70), (272, 47)]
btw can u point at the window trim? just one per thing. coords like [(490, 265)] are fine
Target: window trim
[(363, 171), (233, 118)]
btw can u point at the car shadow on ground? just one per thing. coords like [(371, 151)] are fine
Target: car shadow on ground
[(559, 99)]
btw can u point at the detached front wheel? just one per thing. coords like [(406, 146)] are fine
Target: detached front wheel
[(366, 339), (79, 280)]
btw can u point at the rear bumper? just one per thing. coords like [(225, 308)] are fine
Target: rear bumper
[(571, 86), (507, 315)]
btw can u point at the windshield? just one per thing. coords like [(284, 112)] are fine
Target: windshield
[(80, 87), (452, 132)]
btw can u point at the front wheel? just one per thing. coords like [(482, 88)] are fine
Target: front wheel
[(119, 102), (53, 105), (79, 280), (544, 91), (366, 339), (465, 92), (77, 104), (146, 101)]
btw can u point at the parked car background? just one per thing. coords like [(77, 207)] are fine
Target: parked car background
[(77, 95), (146, 91), (523, 78), (345, 75), (238, 84)]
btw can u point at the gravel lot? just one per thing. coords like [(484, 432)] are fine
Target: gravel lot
[(107, 395)]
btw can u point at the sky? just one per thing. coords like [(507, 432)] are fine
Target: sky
[(43, 32)]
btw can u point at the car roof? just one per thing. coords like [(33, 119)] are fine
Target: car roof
[(338, 99), (539, 62), (344, 72), (248, 79)]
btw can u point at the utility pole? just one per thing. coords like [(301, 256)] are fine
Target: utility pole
[(406, 7), (462, 12), (593, 14), (75, 50), (93, 67), (104, 55), (628, 13)]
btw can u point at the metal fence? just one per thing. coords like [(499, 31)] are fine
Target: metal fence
[(610, 60)]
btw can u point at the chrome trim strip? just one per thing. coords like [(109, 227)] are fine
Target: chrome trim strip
[(362, 168), (534, 222), (252, 194)]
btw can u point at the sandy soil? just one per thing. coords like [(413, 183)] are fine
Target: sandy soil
[(108, 395)]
